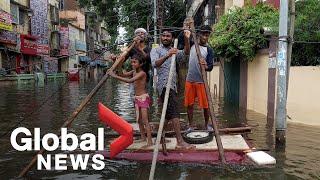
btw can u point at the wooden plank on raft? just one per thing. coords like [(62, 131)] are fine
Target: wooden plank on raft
[(229, 142)]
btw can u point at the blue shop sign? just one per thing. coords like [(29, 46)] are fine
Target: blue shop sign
[(81, 46)]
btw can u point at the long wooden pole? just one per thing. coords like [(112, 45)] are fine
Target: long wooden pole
[(213, 118), (163, 115), (72, 117)]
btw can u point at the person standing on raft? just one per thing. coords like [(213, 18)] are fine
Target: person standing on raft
[(141, 48), (194, 87), (138, 76), (161, 60)]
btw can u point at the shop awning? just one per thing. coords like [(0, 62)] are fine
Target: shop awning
[(84, 59)]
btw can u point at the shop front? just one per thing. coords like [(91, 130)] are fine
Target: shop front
[(9, 53), (28, 50)]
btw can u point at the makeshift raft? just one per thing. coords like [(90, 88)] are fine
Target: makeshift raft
[(169, 130), (235, 147)]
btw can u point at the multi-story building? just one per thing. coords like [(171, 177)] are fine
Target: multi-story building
[(74, 23), (209, 11), (84, 37), (18, 46), (202, 11), (28, 36), (94, 29)]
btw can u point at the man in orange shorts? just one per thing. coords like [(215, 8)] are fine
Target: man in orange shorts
[(194, 87)]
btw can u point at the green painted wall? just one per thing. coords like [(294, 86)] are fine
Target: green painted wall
[(232, 82)]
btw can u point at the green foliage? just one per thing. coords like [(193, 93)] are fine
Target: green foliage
[(139, 13), (237, 34), (174, 13), (103, 10), (132, 14), (307, 28)]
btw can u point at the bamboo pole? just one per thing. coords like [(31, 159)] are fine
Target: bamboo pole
[(73, 116), (212, 117), (164, 109)]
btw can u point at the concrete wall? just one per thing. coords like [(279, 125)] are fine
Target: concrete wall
[(54, 3), (78, 17), (303, 95), (303, 105), (25, 27), (64, 65), (73, 36), (70, 5), (258, 84), (22, 2), (5, 5), (233, 3)]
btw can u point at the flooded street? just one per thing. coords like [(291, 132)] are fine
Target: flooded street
[(48, 107)]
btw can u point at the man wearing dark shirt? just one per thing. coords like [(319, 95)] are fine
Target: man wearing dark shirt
[(140, 47)]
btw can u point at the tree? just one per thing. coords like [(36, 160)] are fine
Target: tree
[(307, 28), (103, 10), (132, 14), (237, 34)]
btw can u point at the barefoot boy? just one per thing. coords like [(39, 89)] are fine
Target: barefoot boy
[(139, 77)]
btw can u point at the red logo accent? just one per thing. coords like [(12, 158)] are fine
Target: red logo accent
[(118, 124)]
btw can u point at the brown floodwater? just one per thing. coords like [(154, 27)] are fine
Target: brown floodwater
[(48, 106)]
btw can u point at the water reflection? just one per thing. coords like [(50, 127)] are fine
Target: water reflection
[(48, 107)]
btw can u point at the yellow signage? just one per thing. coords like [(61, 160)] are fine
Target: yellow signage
[(5, 21)]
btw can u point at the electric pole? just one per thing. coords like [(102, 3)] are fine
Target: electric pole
[(282, 59), (155, 21), (160, 7)]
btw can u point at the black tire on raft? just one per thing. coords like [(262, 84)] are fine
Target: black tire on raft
[(197, 137)]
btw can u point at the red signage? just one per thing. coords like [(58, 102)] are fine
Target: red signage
[(28, 45)]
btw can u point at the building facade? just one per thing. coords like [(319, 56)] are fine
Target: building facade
[(28, 36)]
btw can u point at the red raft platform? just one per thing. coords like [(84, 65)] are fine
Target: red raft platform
[(185, 157)]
